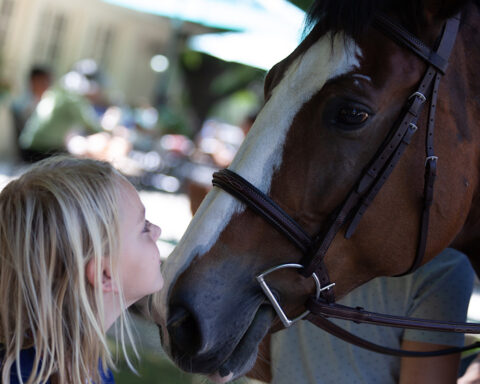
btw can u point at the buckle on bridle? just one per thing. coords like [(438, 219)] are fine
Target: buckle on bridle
[(430, 158), (420, 95), (276, 305)]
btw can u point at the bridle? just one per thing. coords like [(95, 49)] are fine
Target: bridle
[(350, 212)]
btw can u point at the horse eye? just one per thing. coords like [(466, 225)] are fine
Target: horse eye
[(352, 116)]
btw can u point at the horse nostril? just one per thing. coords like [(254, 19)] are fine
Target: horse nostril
[(184, 330)]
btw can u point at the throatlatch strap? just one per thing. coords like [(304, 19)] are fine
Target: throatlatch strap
[(429, 182)]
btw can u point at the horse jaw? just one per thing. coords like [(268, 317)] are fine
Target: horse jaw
[(261, 153)]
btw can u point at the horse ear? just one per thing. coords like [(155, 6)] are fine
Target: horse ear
[(268, 83), (274, 76), (441, 10)]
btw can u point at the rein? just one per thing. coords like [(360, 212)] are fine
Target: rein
[(358, 200)]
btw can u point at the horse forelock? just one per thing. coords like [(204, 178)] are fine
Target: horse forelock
[(261, 153), (353, 17)]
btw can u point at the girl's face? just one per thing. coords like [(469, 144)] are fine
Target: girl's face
[(139, 258)]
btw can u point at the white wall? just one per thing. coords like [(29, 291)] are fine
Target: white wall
[(80, 29)]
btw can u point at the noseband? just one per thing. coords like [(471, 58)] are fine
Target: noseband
[(358, 200)]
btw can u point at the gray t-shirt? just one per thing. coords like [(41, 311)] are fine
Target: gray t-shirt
[(438, 290)]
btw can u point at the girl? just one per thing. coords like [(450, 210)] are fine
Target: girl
[(75, 252)]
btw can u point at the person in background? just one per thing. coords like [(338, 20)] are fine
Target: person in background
[(75, 252), (438, 290), (39, 80), (65, 110)]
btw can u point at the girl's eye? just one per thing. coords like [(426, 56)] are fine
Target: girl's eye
[(146, 227)]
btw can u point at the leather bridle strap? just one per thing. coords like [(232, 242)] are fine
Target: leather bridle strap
[(264, 206), (259, 202), (429, 182), (401, 36), (359, 315), (335, 330), (444, 49)]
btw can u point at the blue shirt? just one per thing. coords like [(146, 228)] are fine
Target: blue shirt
[(27, 356)]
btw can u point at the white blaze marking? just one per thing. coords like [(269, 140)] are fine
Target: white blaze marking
[(261, 152)]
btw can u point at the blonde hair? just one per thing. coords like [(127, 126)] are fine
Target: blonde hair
[(54, 219)]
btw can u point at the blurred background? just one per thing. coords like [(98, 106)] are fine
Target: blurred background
[(164, 89)]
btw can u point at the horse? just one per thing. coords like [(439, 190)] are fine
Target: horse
[(329, 107)]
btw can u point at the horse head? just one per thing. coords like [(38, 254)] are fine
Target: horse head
[(329, 107)]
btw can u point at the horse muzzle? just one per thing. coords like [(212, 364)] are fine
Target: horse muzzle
[(216, 331)]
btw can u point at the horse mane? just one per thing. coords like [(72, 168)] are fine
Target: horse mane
[(354, 16)]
